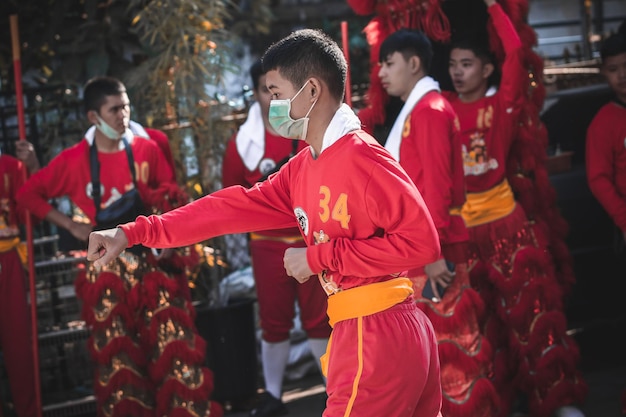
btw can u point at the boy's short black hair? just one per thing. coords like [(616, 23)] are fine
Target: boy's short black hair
[(409, 43), (613, 45), (98, 88), (256, 71), (308, 53), (480, 48)]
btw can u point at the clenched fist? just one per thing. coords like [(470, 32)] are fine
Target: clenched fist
[(296, 264)]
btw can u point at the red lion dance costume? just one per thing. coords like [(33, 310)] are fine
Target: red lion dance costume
[(149, 358), (547, 371)]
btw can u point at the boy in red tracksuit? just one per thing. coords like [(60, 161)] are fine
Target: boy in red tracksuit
[(425, 140), (252, 154), (606, 141), (363, 221), (509, 261), (148, 357), (15, 326), (606, 137)]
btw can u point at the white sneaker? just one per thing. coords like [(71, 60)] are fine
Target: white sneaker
[(569, 411)]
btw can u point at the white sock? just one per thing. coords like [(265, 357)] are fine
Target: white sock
[(274, 357), (318, 348)]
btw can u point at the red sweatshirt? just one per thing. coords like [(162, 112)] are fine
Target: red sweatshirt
[(11, 170), (359, 213), (487, 125), (606, 160), (430, 152), (68, 174), (234, 171)]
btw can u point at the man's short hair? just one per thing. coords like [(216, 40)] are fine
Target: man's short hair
[(613, 45), (308, 53), (409, 43), (480, 48), (256, 72), (98, 88)]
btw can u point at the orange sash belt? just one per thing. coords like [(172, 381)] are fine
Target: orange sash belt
[(364, 301), (368, 299), (15, 243), (485, 207)]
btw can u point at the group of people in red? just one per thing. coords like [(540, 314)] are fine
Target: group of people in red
[(435, 294)]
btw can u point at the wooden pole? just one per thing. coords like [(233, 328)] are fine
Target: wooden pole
[(346, 52), (19, 100)]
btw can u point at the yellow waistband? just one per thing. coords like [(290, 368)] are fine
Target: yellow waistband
[(490, 205), (284, 239), (9, 244), (15, 243), (368, 299)]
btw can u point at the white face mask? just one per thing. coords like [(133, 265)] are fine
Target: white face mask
[(107, 130), (281, 121)]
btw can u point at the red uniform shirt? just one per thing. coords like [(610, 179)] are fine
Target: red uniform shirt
[(606, 160), (11, 170), (487, 125), (68, 174), (430, 152), (235, 172), (361, 216)]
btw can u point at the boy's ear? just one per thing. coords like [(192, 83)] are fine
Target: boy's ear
[(91, 116), (315, 86), (488, 70), (415, 64)]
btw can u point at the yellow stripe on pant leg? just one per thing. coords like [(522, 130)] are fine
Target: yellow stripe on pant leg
[(357, 378)]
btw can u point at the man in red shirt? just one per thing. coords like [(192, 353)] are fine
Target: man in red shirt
[(509, 261), (253, 153), (364, 223), (606, 142), (425, 140), (15, 326), (148, 356), (606, 137)]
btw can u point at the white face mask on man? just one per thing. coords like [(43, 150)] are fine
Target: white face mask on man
[(107, 130), (281, 121)]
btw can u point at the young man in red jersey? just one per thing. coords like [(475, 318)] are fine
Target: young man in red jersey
[(509, 262), (606, 142), (254, 152), (425, 140), (364, 223), (148, 356), (606, 137)]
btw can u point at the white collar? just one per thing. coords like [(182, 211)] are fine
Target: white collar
[(344, 121), (250, 139), (421, 88)]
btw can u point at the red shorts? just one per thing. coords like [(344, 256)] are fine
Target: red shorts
[(384, 364)]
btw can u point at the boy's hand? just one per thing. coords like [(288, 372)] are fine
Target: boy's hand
[(105, 245), (438, 273), (296, 264), (25, 152), (490, 2)]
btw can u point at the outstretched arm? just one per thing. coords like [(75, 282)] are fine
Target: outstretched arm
[(514, 74)]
